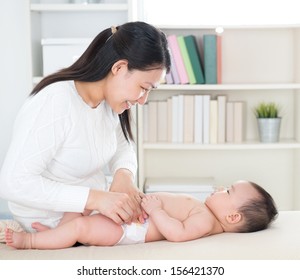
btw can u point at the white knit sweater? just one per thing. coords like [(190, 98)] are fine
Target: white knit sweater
[(59, 149)]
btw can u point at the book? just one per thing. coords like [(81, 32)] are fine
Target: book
[(175, 101), (188, 119), (169, 121), (145, 122), (194, 55), (206, 119), (219, 59), (180, 119), (173, 70), (162, 121), (169, 78), (221, 118), (178, 61), (186, 60), (198, 122), (210, 58), (213, 115), (238, 122), (229, 122), (152, 121)]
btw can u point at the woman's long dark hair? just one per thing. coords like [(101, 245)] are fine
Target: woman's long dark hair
[(142, 45)]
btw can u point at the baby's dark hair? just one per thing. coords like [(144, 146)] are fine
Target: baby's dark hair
[(258, 213)]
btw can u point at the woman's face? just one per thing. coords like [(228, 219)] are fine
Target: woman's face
[(127, 88)]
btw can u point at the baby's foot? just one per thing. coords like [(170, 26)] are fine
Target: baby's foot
[(39, 227), (18, 240)]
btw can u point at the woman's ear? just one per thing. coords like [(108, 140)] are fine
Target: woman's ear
[(118, 66), (234, 218)]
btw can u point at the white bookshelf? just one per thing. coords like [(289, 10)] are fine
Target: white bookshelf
[(260, 63), (64, 19)]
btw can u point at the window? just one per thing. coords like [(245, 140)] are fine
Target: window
[(220, 12)]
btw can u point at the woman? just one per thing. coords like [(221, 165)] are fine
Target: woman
[(76, 123)]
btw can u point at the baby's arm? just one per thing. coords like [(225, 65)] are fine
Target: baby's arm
[(171, 228)]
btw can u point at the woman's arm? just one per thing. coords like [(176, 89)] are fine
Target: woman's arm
[(123, 182), (123, 166)]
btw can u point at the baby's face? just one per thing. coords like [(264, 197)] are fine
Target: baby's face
[(229, 200)]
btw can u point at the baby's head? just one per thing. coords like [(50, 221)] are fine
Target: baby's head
[(244, 207)]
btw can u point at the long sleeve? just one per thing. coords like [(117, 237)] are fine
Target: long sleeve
[(125, 156), (59, 151), (40, 131)]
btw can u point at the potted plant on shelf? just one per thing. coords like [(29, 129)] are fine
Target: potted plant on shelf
[(268, 121)]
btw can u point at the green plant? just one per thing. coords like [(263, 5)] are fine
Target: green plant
[(266, 110)]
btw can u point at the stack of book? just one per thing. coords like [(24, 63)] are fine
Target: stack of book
[(187, 66), (199, 188), (194, 119)]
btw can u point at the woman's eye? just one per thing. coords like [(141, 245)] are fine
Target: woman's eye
[(146, 90)]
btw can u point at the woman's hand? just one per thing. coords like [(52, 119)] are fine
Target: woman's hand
[(116, 206), (123, 183)]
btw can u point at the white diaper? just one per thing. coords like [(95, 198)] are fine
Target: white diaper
[(134, 233)]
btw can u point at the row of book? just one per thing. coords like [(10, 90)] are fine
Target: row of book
[(196, 119), (187, 66)]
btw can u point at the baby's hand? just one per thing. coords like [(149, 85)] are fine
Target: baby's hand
[(151, 203)]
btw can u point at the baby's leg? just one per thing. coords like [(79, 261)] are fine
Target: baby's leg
[(98, 230), (39, 227), (68, 216), (17, 239), (93, 230)]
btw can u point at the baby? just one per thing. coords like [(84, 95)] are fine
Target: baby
[(244, 207)]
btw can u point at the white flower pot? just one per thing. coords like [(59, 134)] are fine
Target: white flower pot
[(269, 129)]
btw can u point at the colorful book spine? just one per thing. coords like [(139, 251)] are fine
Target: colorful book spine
[(186, 60), (210, 58), (193, 52), (219, 59), (173, 70), (169, 78), (178, 61)]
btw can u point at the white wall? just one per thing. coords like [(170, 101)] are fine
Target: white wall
[(15, 72)]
